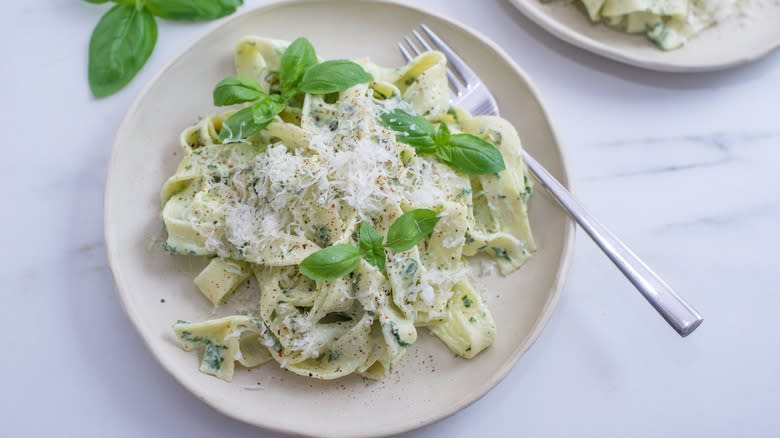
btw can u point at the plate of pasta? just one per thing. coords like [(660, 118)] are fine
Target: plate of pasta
[(313, 233), (668, 35)]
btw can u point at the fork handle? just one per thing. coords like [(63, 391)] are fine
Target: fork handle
[(678, 313)]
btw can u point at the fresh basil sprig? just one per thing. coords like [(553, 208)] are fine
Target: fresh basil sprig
[(236, 89), (409, 229), (463, 152), (339, 260), (370, 244), (297, 58), (332, 77), (331, 263), (192, 10), (299, 72), (125, 36), (239, 126), (469, 154), (264, 111), (412, 129), (120, 45)]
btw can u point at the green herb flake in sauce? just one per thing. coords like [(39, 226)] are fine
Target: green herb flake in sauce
[(213, 352), (396, 335), (213, 356), (322, 236), (501, 253)]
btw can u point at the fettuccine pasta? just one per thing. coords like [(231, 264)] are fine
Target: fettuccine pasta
[(261, 205), (668, 23)]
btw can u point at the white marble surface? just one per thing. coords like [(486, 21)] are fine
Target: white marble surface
[(683, 167)]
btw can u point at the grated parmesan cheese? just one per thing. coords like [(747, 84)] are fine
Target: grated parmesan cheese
[(308, 344), (440, 278)]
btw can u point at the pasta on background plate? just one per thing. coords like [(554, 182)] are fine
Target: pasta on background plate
[(668, 23)]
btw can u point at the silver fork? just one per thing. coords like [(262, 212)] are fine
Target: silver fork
[(470, 93)]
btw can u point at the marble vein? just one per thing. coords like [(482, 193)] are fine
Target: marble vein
[(660, 155), (718, 140), (727, 218)]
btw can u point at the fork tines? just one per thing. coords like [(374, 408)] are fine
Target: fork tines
[(414, 47), (466, 88)]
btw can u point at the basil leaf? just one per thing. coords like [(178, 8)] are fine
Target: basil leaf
[(332, 76), (298, 57), (120, 45), (192, 9), (442, 135), (412, 129), (471, 155), (239, 126), (330, 263), (410, 229), (371, 246), (236, 89), (263, 112)]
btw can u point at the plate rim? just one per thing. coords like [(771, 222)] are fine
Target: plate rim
[(567, 250), (575, 38)]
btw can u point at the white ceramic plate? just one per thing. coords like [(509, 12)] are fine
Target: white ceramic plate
[(429, 383), (739, 40)]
